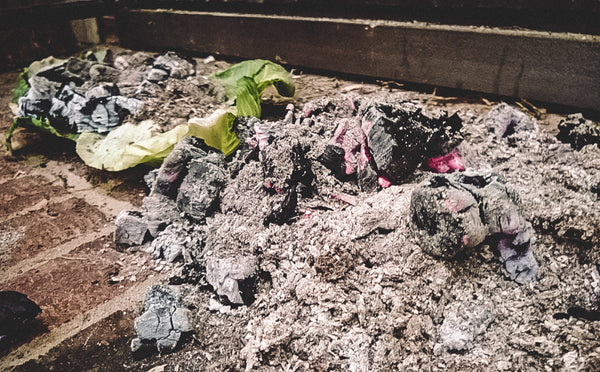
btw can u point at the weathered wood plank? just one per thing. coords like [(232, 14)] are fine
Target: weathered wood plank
[(551, 67)]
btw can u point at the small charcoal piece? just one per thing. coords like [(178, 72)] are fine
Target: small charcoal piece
[(232, 278), (131, 228), (504, 120), (162, 322), (283, 209), (170, 65), (578, 131), (100, 110), (200, 190), (457, 212), (16, 313), (174, 168)]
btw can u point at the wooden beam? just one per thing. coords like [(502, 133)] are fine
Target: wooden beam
[(552, 67)]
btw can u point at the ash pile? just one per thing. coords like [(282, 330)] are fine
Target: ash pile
[(366, 233)]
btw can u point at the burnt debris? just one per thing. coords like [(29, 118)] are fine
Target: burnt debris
[(578, 131), (504, 120), (162, 322), (384, 144), (17, 312), (455, 213)]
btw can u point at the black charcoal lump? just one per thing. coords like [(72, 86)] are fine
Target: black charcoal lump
[(578, 131), (455, 213), (162, 322), (17, 312)]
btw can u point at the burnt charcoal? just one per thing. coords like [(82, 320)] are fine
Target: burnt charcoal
[(283, 209), (578, 131), (580, 312), (160, 212), (232, 278), (174, 168), (302, 175), (100, 110), (158, 74), (504, 120), (367, 177), (199, 193), (170, 65), (34, 107), (457, 212), (448, 218), (15, 311), (131, 228), (285, 165), (162, 322), (101, 72), (192, 273), (451, 162), (175, 242), (333, 159), (401, 138)]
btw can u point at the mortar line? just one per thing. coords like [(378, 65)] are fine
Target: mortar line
[(43, 344), (51, 253)]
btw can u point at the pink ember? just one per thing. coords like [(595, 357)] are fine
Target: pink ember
[(448, 163), (384, 182)]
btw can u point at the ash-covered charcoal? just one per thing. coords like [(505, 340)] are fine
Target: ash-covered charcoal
[(162, 321), (160, 211), (283, 208), (457, 212), (578, 131), (199, 193), (333, 159), (170, 65), (131, 228), (177, 241), (16, 313), (400, 138), (232, 278), (285, 165), (174, 167), (504, 120), (100, 72)]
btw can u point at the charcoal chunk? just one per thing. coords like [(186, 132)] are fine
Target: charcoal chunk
[(578, 131), (232, 278), (401, 138), (504, 120), (174, 168), (200, 190), (131, 228), (162, 321), (455, 213)]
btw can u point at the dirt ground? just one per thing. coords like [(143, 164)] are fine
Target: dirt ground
[(346, 289)]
